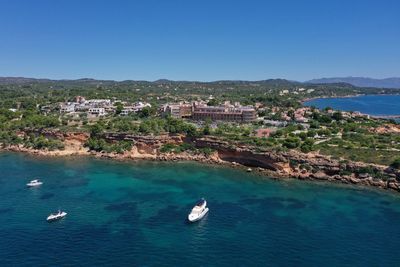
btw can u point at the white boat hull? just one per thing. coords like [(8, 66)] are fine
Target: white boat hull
[(53, 218), (197, 217), (33, 184)]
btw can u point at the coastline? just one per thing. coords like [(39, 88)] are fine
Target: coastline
[(375, 116), (215, 160), (325, 97), (345, 96)]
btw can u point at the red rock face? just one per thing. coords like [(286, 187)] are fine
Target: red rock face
[(80, 137), (291, 163)]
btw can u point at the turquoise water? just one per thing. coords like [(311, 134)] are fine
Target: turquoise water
[(133, 214), (370, 104)]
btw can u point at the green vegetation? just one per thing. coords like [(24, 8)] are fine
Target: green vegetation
[(9, 138), (40, 142), (169, 124), (184, 147), (396, 164), (147, 126), (101, 145), (168, 148), (37, 93), (36, 107), (358, 143), (360, 154), (31, 141)]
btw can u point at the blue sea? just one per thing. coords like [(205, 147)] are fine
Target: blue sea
[(369, 104), (134, 214)]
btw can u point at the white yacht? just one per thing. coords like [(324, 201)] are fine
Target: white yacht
[(56, 216), (34, 183), (198, 211)]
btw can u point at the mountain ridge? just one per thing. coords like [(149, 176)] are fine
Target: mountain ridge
[(392, 82)]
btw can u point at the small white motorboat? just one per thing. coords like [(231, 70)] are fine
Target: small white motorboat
[(198, 211), (56, 216), (34, 183)]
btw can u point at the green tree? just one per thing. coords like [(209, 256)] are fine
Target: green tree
[(291, 142), (207, 129), (307, 145), (96, 129), (118, 108), (191, 130), (212, 102), (337, 116), (145, 112)]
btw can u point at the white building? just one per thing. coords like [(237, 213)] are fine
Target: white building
[(135, 108), (98, 102), (125, 112), (140, 105), (97, 111), (68, 107), (82, 107)]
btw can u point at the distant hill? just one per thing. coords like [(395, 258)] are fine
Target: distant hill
[(361, 81), (261, 88), (347, 82), (21, 80), (24, 81)]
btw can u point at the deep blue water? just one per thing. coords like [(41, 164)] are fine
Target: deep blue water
[(133, 214), (369, 104)]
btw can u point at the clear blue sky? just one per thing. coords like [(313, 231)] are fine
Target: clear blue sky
[(199, 40)]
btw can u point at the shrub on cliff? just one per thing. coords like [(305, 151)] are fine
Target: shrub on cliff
[(307, 146), (101, 145), (291, 142), (207, 129), (166, 148), (207, 151), (191, 130), (96, 144), (121, 147), (396, 164), (96, 129), (9, 138), (42, 142)]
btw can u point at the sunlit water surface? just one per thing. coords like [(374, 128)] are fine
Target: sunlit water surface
[(134, 214)]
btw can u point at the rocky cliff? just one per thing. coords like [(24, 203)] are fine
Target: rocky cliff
[(309, 166), (278, 164)]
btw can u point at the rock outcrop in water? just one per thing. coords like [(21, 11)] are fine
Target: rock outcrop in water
[(280, 164)]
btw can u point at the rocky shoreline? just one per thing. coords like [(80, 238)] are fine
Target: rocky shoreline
[(279, 165), (344, 96), (323, 97)]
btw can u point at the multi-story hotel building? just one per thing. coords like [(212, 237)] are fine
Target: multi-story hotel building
[(200, 111)]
